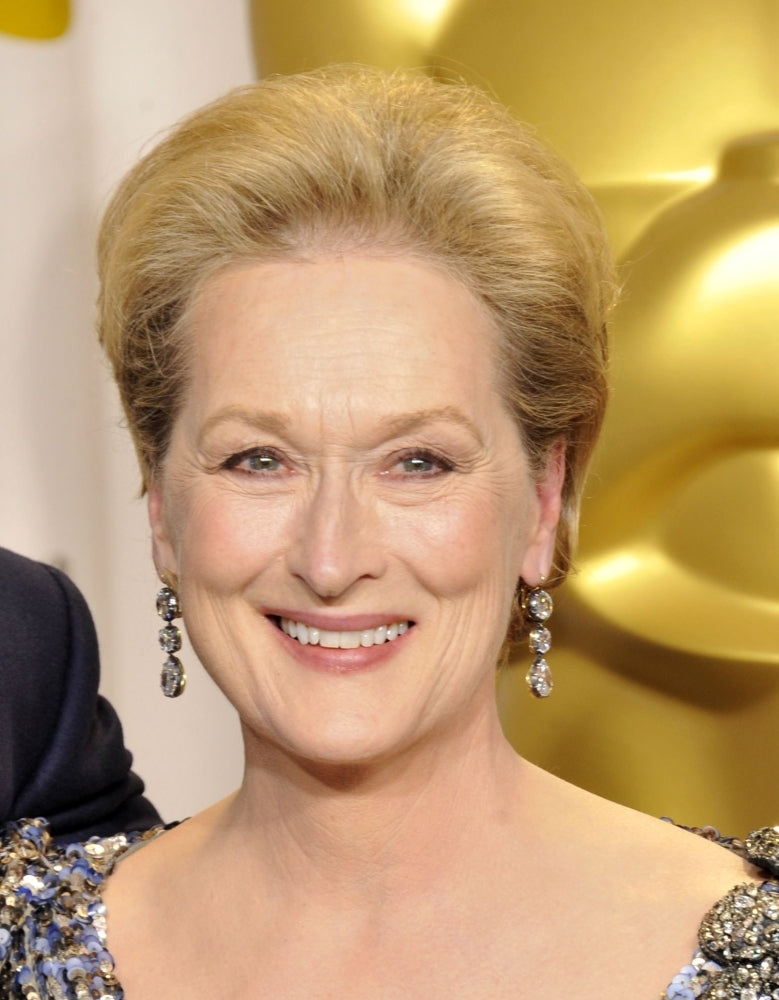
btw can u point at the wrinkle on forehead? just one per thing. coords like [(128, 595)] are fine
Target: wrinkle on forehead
[(386, 345), (393, 425)]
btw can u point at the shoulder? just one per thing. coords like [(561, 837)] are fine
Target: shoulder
[(34, 644), (661, 891), (62, 751), (34, 602), (52, 919)]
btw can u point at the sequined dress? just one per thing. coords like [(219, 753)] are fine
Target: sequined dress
[(53, 924)]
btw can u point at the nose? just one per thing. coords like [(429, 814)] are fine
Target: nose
[(338, 539)]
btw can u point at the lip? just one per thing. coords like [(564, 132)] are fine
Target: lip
[(340, 661)]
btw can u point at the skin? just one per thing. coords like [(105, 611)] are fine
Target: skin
[(342, 458)]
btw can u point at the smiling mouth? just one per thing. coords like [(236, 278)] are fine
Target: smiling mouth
[(308, 635)]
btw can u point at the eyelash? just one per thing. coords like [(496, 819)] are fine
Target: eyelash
[(439, 464)]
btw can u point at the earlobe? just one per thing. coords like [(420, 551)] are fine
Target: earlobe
[(163, 552)]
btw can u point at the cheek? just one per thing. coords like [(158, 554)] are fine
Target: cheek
[(222, 536), (466, 543)]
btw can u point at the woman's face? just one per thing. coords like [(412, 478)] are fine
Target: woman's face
[(347, 504)]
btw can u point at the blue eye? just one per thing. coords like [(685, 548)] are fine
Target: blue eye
[(424, 464), (418, 463), (262, 462), (256, 460)]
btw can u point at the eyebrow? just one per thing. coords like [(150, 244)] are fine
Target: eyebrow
[(261, 420), (391, 426), (405, 422)]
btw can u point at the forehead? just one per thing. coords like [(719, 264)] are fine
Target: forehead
[(348, 330)]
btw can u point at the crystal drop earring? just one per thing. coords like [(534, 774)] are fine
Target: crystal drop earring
[(538, 606), (173, 680)]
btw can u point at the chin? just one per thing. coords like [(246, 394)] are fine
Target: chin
[(343, 746)]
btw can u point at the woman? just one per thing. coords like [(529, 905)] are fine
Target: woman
[(357, 323)]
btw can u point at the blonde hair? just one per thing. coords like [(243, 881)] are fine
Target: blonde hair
[(351, 157)]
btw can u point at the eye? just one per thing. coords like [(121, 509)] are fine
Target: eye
[(255, 461), (422, 464)]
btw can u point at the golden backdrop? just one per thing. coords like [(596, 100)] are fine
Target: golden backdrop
[(666, 644), (34, 18)]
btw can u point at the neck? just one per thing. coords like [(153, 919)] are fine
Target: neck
[(399, 826)]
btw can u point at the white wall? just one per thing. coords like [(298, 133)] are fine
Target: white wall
[(76, 112)]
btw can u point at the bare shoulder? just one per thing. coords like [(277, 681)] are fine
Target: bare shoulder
[(643, 887), (621, 840), (635, 874), (693, 859)]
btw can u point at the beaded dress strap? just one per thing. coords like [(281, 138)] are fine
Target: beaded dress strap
[(52, 917), (738, 957)]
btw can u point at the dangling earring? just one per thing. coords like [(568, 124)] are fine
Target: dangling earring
[(538, 606), (173, 680)]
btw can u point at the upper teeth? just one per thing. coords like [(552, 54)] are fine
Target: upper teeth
[(308, 635)]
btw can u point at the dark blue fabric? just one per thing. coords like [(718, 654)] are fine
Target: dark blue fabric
[(62, 754)]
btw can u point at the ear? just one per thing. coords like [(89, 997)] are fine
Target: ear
[(539, 555), (163, 550)]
